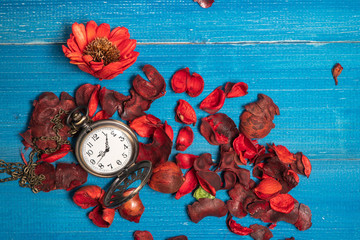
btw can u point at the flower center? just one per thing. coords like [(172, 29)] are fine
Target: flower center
[(102, 48)]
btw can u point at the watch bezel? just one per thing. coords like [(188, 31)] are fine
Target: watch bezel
[(101, 124)]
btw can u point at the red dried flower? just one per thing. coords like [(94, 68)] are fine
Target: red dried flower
[(179, 79), (88, 196), (236, 227), (184, 139), (101, 216), (214, 101), (284, 155), (235, 89), (194, 85), (185, 113), (99, 51)]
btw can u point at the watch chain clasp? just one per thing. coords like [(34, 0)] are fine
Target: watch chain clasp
[(79, 118)]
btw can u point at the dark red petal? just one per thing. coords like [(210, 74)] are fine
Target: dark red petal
[(48, 170), (184, 139), (179, 79), (169, 131), (112, 101), (158, 150), (52, 157), (184, 113), (134, 107), (229, 180), (236, 227), (205, 3), (194, 85), (87, 95), (260, 232), (189, 185), (304, 221), (206, 207), (236, 208), (143, 235), (100, 115), (214, 101), (152, 89), (243, 146), (145, 125), (69, 176), (336, 71), (88, 196), (166, 178), (258, 208), (185, 161), (209, 181), (102, 217), (181, 237), (235, 89), (284, 155), (133, 208), (203, 162)]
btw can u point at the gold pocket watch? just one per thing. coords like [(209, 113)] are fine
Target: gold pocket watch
[(109, 148)]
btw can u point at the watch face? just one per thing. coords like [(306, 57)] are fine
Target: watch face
[(107, 149)]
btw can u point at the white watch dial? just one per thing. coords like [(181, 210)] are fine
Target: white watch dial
[(106, 150)]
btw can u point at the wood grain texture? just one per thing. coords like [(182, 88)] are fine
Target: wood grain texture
[(43, 21)]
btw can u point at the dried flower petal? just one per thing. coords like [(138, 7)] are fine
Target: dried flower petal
[(302, 164), (236, 208), (304, 221), (168, 130), (166, 178), (201, 193), (134, 107), (214, 101), (256, 120), (209, 181), (181, 237), (218, 129), (152, 89), (235, 89), (100, 115), (205, 3), (102, 217), (283, 203), (184, 160), (336, 71), (203, 162), (184, 139), (179, 80), (268, 188), (69, 176), (133, 208), (158, 150), (206, 207), (284, 155), (48, 170), (112, 101), (52, 157), (143, 235), (236, 227), (145, 125), (185, 113), (88, 95), (189, 185), (88, 196), (194, 85), (260, 232)]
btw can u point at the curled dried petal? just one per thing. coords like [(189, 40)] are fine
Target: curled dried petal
[(205, 3), (169, 131), (134, 107), (179, 80), (189, 184), (48, 170), (283, 203), (166, 178), (302, 165), (194, 85), (69, 176), (206, 207), (184, 160), (184, 139), (260, 232), (181, 237), (236, 227), (304, 220), (143, 235), (284, 155), (88, 196), (101, 216), (336, 71), (214, 101), (133, 208), (185, 113), (157, 81), (268, 188), (145, 125), (235, 89), (52, 157), (112, 101), (209, 181)]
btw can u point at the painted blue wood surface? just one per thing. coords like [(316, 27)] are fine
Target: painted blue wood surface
[(317, 117)]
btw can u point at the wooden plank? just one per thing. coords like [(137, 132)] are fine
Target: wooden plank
[(183, 21), (317, 117)]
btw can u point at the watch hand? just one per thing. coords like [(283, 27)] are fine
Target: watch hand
[(102, 155), (107, 147)]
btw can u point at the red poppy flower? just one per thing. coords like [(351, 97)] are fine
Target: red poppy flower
[(99, 51)]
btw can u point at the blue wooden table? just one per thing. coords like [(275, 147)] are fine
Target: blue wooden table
[(284, 49)]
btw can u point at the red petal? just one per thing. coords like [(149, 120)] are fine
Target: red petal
[(336, 71), (237, 228), (94, 101), (143, 235), (235, 89), (52, 157), (189, 185), (169, 131), (102, 217), (185, 161), (185, 113), (135, 107), (101, 115), (48, 170), (80, 35), (209, 181), (112, 101), (69, 176), (206, 207), (179, 80), (194, 85), (214, 101), (268, 188), (205, 3), (91, 27), (283, 203), (284, 155), (103, 30), (133, 209), (88, 196), (119, 33), (236, 208), (184, 139), (260, 232), (145, 125), (243, 145), (166, 178)]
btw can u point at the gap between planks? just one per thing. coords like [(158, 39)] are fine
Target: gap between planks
[(205, 43)]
